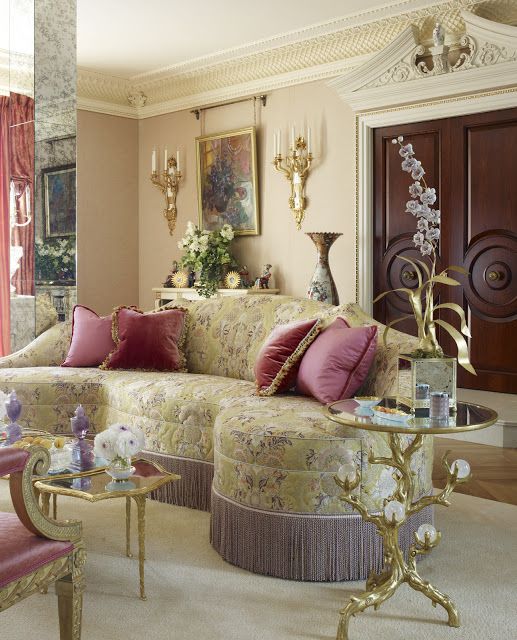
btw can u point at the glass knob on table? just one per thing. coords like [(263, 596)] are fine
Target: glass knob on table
[(429, 529), (394, 510), (461, 467), (347, 472)]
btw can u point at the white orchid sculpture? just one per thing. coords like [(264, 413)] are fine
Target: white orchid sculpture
[(119, 442), (426, 240)]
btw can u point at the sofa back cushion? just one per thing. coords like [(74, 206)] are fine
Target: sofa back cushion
[(225, 335)]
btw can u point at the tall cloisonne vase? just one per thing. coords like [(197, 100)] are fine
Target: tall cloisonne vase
[(322, 286)]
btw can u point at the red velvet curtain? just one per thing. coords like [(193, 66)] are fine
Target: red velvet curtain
[(21, 145), (5, 230)]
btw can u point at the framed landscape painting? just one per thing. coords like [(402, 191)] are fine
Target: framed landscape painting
[(227, 181), (59, 193)]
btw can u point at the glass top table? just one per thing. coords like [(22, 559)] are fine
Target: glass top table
[(468, 417), (96, 485)]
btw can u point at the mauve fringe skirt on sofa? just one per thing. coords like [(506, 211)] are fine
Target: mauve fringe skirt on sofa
[(302, 546), (284, 545)]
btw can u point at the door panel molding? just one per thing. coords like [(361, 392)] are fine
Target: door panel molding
[(365, 124)]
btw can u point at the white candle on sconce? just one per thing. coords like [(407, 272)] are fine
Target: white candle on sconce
[(165, 159), (153, 161), (177, 159)]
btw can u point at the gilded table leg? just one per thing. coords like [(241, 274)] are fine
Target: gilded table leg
[(369, 598), (69, 590), (380, 587), (140, 505), (54, 506), (416, 582), (128, 527)]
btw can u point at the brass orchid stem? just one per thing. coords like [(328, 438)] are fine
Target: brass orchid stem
[(426, 239)]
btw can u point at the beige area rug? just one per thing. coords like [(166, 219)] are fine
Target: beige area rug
[(194, 594)]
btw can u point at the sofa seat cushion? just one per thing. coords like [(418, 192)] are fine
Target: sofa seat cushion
[(176, 411), (279, 454), (21, 552)]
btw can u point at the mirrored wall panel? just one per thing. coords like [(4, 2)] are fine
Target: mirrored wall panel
[(42, 166)]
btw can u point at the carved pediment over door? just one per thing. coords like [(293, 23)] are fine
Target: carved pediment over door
[(407, 71)]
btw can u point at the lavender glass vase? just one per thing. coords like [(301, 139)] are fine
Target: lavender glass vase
[(322, 286), (83, 457), (13, 408)]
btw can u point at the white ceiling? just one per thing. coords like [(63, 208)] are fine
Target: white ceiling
[(130, 37)]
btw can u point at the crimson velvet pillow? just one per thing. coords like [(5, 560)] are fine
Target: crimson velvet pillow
[(91, 339), (337, 362), (278, 360), (153, 342)]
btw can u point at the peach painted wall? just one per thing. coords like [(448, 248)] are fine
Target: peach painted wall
[(330, 189), (107, 205)]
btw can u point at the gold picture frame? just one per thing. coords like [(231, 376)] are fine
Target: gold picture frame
[(59, 196), (227, 184)]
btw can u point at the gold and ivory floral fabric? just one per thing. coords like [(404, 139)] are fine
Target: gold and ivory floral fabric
[(278, 453)]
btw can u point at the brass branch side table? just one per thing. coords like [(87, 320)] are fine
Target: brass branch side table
[(401, 504), (96, 485)]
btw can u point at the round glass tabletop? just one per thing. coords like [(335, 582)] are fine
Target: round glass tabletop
[(468, 417)]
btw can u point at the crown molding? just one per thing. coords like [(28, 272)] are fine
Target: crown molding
[(316, 52)]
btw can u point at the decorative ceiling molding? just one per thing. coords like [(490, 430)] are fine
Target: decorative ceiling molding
[(487, 60), (308, 55)]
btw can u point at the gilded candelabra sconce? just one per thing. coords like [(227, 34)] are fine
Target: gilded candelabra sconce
[(168, 184), (295, 167)]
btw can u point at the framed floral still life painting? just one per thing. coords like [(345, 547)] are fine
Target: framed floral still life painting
[(59, 196), (227, 181)]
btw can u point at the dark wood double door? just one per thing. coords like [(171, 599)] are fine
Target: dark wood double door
[(472, 163)]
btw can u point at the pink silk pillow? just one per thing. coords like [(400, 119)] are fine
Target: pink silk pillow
[(278, 360), (91, 339), (337, 362), (151, 341)]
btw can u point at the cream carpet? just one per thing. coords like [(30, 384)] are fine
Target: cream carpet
[(194, 594)]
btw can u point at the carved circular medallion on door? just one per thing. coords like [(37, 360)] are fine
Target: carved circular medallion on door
[(492, 287)]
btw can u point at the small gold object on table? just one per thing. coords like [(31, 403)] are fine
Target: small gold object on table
[(401, 504), (96, 485)]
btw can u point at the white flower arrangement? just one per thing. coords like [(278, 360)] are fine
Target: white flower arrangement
[(119, 441), (207, 252)]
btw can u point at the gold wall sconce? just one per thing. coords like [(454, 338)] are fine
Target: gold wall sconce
[(168, 184), (296, 169)]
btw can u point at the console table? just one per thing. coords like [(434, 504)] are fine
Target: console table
[(166, 294)]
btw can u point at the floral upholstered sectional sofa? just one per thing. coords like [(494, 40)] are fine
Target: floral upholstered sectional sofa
[(264, 466)]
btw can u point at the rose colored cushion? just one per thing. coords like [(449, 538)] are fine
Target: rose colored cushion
[(278, 360), (337, 362), (91, 339), (151, 342), (21, 552)]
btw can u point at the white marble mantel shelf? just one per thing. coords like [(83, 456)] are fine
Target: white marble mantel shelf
[(166, 294)]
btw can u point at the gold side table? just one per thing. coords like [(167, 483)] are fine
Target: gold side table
[(401, 504), (96, 485)]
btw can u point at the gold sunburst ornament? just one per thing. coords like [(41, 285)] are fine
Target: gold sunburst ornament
[(232, 280), (180, 279)]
